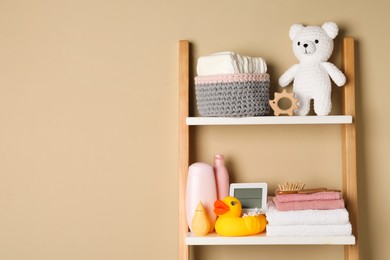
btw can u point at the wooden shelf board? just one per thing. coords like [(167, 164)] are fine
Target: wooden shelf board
[(263, 239), (270, 120)]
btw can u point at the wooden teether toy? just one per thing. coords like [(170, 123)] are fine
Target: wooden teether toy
[(275, 103)]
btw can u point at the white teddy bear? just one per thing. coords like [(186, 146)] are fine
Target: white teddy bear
[(313, 45)]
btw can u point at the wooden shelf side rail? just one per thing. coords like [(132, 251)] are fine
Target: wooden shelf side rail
[(348, 135), (183, 144)]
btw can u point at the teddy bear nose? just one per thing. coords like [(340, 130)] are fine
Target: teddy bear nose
[(305, 45)]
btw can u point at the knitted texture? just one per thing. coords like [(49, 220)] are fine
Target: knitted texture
[(313, 45), (233, 95)]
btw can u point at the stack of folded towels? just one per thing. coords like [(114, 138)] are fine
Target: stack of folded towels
[(313, 214)]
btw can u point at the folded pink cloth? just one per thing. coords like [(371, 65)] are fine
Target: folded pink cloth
[(312, 204), (323, 195)]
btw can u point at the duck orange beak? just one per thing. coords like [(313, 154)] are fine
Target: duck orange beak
[(220, 207)]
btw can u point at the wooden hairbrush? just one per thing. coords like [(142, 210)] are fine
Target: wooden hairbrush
[(297, 188)]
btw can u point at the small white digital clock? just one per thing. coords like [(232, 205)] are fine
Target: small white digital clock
[(253, 196)]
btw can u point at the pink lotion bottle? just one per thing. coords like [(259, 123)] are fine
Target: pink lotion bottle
[(221, 176), (201, 187)]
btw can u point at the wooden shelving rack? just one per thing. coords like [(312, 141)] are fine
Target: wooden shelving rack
[(349, 171)]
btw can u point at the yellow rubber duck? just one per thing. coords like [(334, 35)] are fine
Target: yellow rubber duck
[(230, 222)]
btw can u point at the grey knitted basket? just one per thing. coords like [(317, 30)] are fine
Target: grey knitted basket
[(233, 95)]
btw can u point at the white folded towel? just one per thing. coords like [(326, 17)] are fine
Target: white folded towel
[(306, 217), (229, 63), (310, 230)]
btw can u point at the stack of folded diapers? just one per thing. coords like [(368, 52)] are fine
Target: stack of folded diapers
[(232, 85), (313, 214)]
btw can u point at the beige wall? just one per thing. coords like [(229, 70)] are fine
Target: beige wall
[(88, 112)]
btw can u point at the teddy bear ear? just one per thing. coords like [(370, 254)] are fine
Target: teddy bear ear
[(331, 29), (294, 29)]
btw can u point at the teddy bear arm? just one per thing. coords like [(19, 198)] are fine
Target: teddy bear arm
[(335, 74), (288, 76)]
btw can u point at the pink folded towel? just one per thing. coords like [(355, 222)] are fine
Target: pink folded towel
[(324, 195), (306, 217), (312, 204)]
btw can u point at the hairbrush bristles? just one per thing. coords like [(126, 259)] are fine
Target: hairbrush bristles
[(291, 186)]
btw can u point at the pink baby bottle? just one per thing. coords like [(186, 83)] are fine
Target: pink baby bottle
[(201, 187), (221, 176)]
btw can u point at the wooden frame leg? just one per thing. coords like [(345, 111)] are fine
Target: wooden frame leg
[(349, 146), (183, 145)]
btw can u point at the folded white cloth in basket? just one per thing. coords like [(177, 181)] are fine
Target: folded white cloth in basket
[(229, 63), (306, 217), (310, 230)]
